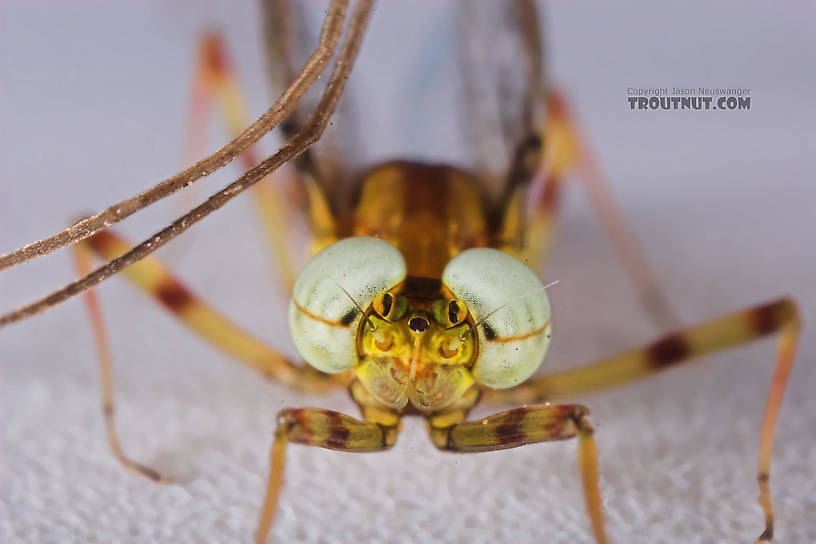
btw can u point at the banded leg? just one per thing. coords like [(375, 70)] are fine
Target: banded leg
[(149, 275), (531, 425), (710, 336), (311, 132), (312, 68), (321, 428)]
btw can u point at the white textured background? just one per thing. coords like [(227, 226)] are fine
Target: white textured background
[(92, 109)]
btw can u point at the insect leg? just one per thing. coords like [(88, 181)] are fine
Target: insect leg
[(317, 62), (153, 278), (215, 81), (83, 259), (321, 428), (710, 336), (536, 178), (630, 253), (546, 147), (311, 132), (531, 425), (283, 35), (282, 25), (535, 182)]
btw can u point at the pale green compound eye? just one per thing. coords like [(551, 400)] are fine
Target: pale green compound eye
[(512, 310), (324, 316)]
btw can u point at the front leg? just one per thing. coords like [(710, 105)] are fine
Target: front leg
[(322, 428), (530, 425), (151, 276), (780, 316)]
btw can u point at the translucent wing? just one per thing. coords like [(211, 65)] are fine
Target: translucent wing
[(290, 32), (502, 80), (456, 82)]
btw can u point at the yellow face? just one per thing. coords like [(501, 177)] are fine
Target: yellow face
[(418, 356), (490, 326)]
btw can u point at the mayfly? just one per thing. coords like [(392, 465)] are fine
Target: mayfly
[(421, 298)]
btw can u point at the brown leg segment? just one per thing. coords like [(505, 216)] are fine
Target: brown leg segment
[(153, 278), (531, 425), (314, 66), (321, 428), (311, 132), (717, 334)]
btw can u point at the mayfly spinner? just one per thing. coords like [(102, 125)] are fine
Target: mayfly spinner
[(422, 296)]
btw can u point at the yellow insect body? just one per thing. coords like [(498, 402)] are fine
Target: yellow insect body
[(421, 297)]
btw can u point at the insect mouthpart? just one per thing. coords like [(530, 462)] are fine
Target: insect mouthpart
[(416, 360)]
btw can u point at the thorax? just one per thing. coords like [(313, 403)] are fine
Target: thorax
[(430, 213)]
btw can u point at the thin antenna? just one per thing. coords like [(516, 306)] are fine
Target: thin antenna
[(351, 298), (525, 295)]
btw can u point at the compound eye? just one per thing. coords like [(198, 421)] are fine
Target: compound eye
[(332, 293), (510, 309)]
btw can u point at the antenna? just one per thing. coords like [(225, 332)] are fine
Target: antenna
[(525, 295), (351, 298)]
